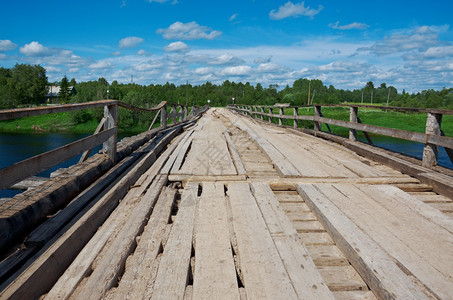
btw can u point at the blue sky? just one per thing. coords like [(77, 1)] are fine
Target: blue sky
[(344, 43)]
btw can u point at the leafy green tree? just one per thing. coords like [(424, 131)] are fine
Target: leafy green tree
[(370, 89), (6, 99), (64, 89), (29, 84)]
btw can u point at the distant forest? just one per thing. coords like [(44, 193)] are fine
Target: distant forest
[(25, 85)]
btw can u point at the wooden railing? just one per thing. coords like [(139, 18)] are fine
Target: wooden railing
[(106, 134), (432, 138)]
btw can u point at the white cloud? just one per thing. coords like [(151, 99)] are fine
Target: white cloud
[(262, 60), (188, 31), (203, 70), (418, 39), (439, 52), (342, 66), (177, 47), (237, 70), (269, 68), (130, 42), (142, 52), (225, 59), (35, 49), (53, 69), (6, 45), (150, 65), (116, 53), (293, 10), (233, 17), (103, 64), (355, 25)]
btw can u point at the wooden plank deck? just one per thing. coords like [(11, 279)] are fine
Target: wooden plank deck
[(235, 209)]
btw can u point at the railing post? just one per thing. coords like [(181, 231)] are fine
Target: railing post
[(318, 113), (296, 113), (353, 111), (163, 116), (280, 113), (185, 113), (262, 111), (271, 112), (430, 152), (111, 121)]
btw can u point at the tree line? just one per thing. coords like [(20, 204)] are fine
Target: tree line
[(25, 85)]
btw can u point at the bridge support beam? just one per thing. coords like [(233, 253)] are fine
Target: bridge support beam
[(430, 152)]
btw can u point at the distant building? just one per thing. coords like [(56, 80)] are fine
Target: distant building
[(53, 92)]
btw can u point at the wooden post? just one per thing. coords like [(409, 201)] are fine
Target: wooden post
[(185, 112), (280, 119), (174, 114), (271, 111), (163, 116), (433, 127), (111, 121), (262, 111), (318, 113), (353, 118), (296, 113)]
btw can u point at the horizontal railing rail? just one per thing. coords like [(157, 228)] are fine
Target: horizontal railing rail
[(432, 138), (105, 134)]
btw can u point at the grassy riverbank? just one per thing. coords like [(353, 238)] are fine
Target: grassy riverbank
[(59, 122)]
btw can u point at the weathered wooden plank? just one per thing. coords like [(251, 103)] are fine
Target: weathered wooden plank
[(262, 269), (172, 276), (107, 270), (354, 295), (327, 255), (305, 278), (410, 238), (209, 153), (141, 269), (199, 178), (30, 182), (234, 154), (373, 264), (284, 167), (42, 162), (408, 202), (182, 152), (316, 238), (215, 274), (342, 278), (179, 145)]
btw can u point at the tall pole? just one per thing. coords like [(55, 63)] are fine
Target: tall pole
[(308, 99), (187, 95), (388, 97)]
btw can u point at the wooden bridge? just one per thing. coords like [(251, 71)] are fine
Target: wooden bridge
[(224, 206)]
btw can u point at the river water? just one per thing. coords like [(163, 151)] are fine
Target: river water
[(15, 147)]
